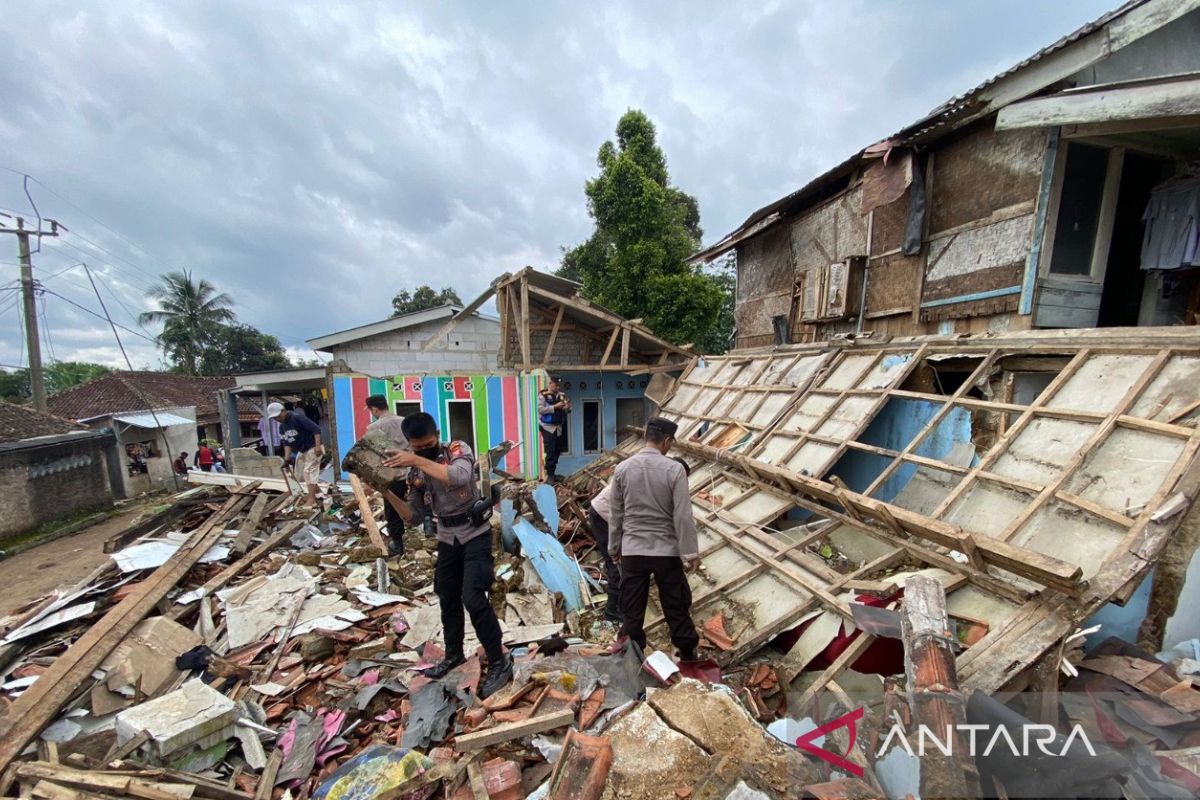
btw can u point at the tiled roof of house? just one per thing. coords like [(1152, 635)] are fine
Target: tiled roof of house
[(21, 422), (119, 392)]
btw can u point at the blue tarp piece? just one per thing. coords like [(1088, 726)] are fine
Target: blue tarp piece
[(557, 570), (547, 502), (507, 515)]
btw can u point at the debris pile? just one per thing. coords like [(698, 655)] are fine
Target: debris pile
[(890, 626)]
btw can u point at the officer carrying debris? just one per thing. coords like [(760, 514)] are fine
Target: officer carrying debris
[(441, 480)]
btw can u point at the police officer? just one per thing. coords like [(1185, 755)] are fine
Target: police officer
[(442, 481), (553, 406)]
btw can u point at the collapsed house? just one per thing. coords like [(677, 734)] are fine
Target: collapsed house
[(1043, 198)]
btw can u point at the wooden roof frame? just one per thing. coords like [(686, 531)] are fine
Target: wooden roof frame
[(629, 346)]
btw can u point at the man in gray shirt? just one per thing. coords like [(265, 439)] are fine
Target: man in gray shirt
[(391, 426), (441, 479), (652, 535)]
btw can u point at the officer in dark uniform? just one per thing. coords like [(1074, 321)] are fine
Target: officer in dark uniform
[(553, 407), (442, 483)]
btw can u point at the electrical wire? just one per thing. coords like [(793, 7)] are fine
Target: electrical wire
[(133, 385), (99, 316), (46, 328)]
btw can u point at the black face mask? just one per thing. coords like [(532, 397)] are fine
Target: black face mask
[(430, 453)]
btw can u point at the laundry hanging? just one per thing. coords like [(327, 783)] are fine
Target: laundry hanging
[(1172, 220)]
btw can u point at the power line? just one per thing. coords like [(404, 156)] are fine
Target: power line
[(128, 363), (99, 316), (46, 329)]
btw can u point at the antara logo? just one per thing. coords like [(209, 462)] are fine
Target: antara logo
[(1027, 738)]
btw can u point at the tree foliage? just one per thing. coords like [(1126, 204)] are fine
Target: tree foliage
[(423, 297), (241, 348), (15, 386), (192, 314), (635, 262)]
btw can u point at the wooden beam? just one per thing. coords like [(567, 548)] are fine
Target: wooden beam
[(1144, 100), (606, 315), (526, 358), (514, 730), (445, 330), (612, 341), (625, 346), (250, 527), (554, 333), (369, 521), (505, 324), (25, 718)]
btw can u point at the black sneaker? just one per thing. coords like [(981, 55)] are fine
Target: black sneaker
[(499, 673), (443, 667), (613, 616), (688, 655)]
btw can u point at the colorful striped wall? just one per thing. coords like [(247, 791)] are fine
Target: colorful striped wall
[(502, 407)]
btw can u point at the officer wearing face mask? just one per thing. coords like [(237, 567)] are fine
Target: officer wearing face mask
[(441, 480)]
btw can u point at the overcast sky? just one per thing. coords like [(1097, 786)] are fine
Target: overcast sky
[(312, 159)]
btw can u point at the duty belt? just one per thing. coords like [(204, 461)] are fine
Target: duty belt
[(455, 520)]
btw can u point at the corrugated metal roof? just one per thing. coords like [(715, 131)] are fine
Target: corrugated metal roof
[(159, 419)]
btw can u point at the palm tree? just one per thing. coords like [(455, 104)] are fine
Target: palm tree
[(191, 312)]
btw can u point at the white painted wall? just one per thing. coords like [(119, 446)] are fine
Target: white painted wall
[(473, 346)]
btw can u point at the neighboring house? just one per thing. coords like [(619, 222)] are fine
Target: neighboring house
[(1020, 204), (153, 415), (486, 396), (396, 345), (51, 468)]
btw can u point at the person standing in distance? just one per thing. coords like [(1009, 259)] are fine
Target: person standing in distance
[(442, 480), (652, 535), (391, 426), (300, 436), (553, 407)]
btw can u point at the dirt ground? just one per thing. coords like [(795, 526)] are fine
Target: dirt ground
[(34, 573)]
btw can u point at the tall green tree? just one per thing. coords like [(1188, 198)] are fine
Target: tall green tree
[(635, 262), (241, 348), (59, 375), (421, 298), (191, 313)]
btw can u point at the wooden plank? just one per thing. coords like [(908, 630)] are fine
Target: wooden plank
[(505, 319), (514, 730), (267, 781), (149, 525), (445, 330), (845, 659), (612, 341), (38, 706), (554, 333), (625, 347), (1161, 99), (250, 526), (233, 481), (607, 316), (369, 521), (526, 358)]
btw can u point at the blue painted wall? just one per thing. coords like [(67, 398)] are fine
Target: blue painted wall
[(607, 387), (894, 427)]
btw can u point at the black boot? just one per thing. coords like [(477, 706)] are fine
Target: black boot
[(499, 673), (443, 667), (687, 654)]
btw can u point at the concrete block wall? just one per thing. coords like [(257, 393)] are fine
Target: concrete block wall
[(51, 482), (246, 461), (472, 346)]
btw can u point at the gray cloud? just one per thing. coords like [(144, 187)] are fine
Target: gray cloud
[(311, 159)]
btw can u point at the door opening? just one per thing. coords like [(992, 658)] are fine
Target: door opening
[(1124, 279), (631, 412), (593, 427), (461, 422)]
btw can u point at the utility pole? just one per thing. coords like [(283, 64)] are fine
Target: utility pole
[(37, 381)]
